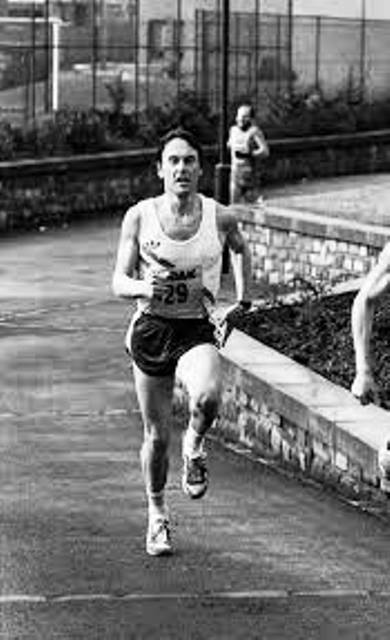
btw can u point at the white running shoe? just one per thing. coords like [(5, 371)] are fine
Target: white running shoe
[(158, 538), (195, 476)]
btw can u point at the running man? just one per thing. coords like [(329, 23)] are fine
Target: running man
[(169, 260), (375, 284), (247, 144)]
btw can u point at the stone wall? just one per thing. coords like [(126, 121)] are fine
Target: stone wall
[(285, 244), (55, 190)]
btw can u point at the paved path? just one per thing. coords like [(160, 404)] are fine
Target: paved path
[(364, 198), (260, 557)]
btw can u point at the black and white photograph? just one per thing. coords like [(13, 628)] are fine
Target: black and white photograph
[(194, 320)]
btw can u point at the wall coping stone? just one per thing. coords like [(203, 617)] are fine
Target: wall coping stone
[(314, 224)]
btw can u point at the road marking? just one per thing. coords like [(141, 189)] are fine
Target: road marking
[(17, 597), (11, 326), (55, 307), (261, 595), (71, 414)]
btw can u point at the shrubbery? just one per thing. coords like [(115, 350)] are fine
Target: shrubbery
[(71, 131), (312, 113)]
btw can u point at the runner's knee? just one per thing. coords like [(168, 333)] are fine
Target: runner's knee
[(156, 438), (205, 405)]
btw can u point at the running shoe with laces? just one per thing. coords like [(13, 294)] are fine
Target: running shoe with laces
[(158, 538), (195, 476)]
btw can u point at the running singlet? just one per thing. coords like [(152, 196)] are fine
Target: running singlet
[(190, 268), (242, 143)]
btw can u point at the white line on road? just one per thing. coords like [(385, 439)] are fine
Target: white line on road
[(37, 311), (266, 594), (71, 414)]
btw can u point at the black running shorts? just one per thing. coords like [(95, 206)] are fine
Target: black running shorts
[(157, 343)]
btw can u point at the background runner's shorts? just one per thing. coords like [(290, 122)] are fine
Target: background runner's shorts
[(243, 176), (157, 343)]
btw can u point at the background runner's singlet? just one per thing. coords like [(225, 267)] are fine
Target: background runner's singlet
[(190, 268)]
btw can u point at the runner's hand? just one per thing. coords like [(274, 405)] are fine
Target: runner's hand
[(156, 284), (364, 388), (229, 319)]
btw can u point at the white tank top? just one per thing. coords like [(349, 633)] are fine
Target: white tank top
[(242, 142), (191, 267)]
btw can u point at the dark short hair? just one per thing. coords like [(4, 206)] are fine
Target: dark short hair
[(183, 134), (251, 108)]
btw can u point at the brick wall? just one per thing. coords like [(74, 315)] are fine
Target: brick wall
[(286, 244), (55, 190)]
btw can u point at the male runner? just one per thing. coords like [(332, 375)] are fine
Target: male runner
[(169, 260), (375, 284), (247, 143)]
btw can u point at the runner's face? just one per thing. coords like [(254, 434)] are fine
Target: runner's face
[(179, 168), (244, 117)]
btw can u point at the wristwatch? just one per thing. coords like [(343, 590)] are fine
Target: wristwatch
[(245, 305)]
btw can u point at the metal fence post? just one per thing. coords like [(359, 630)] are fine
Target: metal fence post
[(290, 48), (94, 51), (33, 65), (137, 27), (218, 60), (222, 170), (178, 48), (362, 83), (257, 43), (279, 52), (47, 58), (317, 52)]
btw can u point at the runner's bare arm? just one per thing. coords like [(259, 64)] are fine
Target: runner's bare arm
[(239, 252), (125, 280), (376, 283), (261, 149)]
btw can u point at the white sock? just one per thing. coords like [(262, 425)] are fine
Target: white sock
[(156, 505), (193, 443)]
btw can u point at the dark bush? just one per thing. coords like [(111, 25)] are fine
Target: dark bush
[(72, 131)]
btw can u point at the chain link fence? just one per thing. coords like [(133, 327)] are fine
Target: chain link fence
[(135, 54)]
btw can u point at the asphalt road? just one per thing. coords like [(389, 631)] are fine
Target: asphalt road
[(262, 556)]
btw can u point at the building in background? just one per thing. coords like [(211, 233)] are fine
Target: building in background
[(372, 9)]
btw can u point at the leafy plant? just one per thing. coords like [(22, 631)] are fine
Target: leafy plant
[(7, 141), (117, 92)]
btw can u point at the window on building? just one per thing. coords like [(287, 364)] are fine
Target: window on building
[(156, 39), (80, 14)]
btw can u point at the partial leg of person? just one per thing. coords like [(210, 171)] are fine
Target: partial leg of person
[(235, 191), (155, 400), (200, 370)]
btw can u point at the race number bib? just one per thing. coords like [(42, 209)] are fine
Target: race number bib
[(183, 296)]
